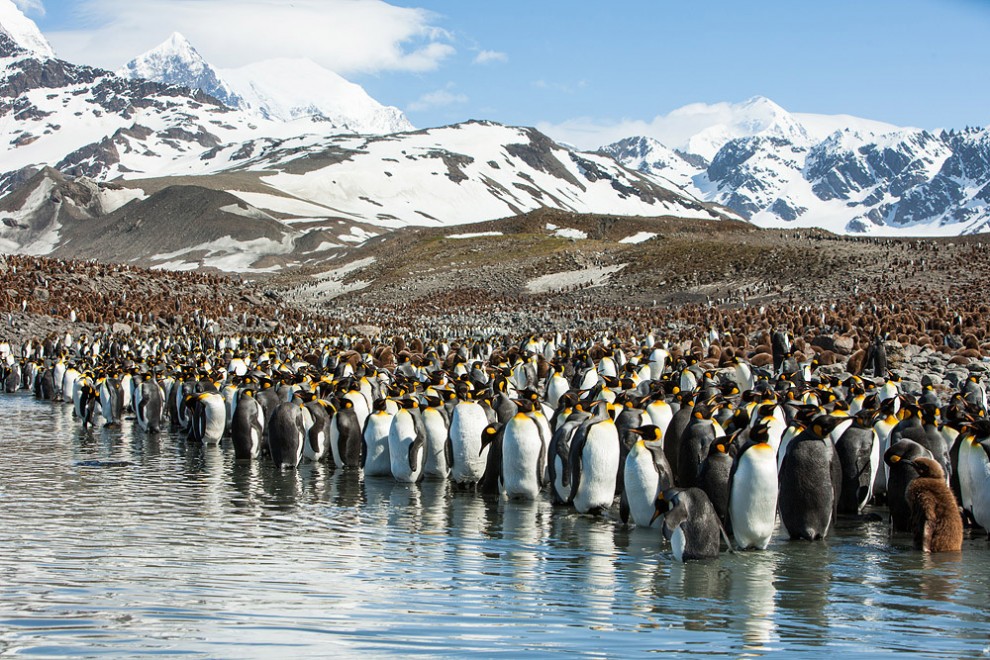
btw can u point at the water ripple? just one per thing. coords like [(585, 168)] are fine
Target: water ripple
[(118, 544)]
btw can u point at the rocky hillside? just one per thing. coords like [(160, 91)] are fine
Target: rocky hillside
[(566, 261)]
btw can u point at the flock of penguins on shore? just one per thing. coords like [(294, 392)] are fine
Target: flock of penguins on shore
[(702, 451)]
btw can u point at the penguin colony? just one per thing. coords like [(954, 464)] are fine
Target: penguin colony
[(710, 446)]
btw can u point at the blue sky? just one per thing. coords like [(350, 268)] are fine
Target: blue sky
[(605, 64)]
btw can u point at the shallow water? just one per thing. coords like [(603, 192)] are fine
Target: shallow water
[(181, 550)]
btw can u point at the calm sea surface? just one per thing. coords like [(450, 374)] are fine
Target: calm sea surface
[(186, 551)]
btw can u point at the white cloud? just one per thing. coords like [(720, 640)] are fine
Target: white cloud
[(34, 7), (490, 56), (437, 99), (346, 36), (674, 129)]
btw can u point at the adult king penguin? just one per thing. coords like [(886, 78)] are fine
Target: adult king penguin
[(467, 457), (523, 454), (689, 523), (810, 479), (646, 474), (753, 491), (594, 462), (247, 427), (407, 443)]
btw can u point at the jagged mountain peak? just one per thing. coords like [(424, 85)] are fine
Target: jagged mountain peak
[(838, 172), (22, 31), (176, 62), (280, 90), (754, 117)]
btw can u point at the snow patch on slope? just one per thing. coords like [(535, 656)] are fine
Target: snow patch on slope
[(556, 281), (639, 237)]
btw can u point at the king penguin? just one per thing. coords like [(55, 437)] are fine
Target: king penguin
[(689, 523), (209, 418), (247, 427), (287, 432), (810, 479), (436, 425), (149, 406), (464, 450), (407, 443), (523, 454), (646, 475), (374, 455), (859, 455), (594, 462), (935, 519), (900, 459), (753, 491)]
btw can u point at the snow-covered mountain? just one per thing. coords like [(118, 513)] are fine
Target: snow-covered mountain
[(269, 203), (289, 89), (176, 62), (842, 173), (161, 174), (22, 31), (282, 90)]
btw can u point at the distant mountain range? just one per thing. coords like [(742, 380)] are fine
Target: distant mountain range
[(844, 174), (173, 163), (280, 90), (158, 173)]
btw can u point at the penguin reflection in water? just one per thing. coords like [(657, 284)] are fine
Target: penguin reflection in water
[(690, 524)]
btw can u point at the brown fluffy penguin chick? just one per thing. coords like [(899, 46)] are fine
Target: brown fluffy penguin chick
[(935, 517)]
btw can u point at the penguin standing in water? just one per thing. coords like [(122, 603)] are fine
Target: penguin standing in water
[(810, 479), (594, 462), (753, 491), (689, 523), (247, 427), (491, 441), (319, 433), (464, 449), (714, 477), (375, 459), (859, 456), (407, 443), (559, 459), (346, 438), (973, 461), (111, 400), (88, 408), (287, 432), (935, 519), (900, 458), (523, 454), (694, 443), (646, 474), (436, 425), (209, 418), (149, 405)]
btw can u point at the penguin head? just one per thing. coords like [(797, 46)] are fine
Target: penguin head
[(649, 433), (822, 425), (928, 468), (489, 435), (661, 505), (524, 405)]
